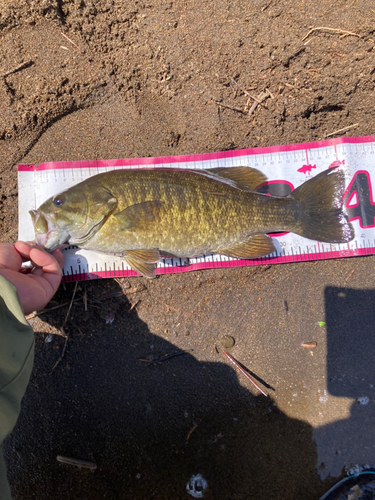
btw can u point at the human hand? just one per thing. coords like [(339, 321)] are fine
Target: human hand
[(36, 286)]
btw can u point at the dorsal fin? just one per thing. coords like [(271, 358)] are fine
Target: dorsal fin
[(246, 178)]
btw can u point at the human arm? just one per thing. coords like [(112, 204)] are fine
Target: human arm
[(20, 293)]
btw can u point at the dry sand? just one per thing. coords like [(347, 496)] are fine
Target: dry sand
[(87, 80)]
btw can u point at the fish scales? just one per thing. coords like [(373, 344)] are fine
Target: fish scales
[(198, 213)]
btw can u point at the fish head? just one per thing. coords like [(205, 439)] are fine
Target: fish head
[(73, 216)]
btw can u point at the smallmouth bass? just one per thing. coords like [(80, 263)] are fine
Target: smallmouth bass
[(144, 213)]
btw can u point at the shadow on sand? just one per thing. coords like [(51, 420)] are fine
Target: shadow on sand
[(148, 426), (350, 318)]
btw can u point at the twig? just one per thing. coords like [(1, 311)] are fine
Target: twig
[(246, 92), (111, 295), (136, 290), (70, 305), (190, 432), (244, 373), (350, 274), (278, 92), (60, 333), (341, 130), (17, 68), (44, 311), (261, 97), (229, 107), (247, 104), (266, 7), (163, 358), (85, 298), (31, 315), (69, 40), (335, 30), (62, 328), (234, 90), (170, 307), (75, 461), (135, 304), (65, 344), (169, 356)]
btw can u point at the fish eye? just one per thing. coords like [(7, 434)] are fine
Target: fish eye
[(58, 201)]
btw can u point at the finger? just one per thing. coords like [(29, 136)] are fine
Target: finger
[(9, 257), (50, 266), (59, 256), (24, 249), (44, 260), (37, 271)]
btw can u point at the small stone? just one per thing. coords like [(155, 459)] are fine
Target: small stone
[(197, 486), (227, 341), (363, 400), (309, 345), (110, 318)]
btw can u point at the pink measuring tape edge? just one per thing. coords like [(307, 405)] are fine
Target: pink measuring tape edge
[(159, 161)]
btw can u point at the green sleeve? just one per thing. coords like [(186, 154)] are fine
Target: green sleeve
[(16, 361)]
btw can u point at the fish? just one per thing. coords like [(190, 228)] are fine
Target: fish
[(142, 214)]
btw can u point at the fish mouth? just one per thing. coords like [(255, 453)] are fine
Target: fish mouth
[(47, 234)]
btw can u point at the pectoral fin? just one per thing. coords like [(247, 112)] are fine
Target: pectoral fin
[(140, 217), (143, 261), (256, 246), (246, 178)]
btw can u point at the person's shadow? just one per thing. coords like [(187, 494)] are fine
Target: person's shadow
[(350, 440), (148, 425)]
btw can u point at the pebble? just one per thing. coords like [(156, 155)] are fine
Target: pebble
[(227, 341), (309, 345), (110, 318), (197, 486)]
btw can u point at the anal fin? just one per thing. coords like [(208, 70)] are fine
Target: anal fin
[(143, 261), (255, 246)]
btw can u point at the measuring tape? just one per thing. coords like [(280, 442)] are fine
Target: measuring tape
[(286, 167)]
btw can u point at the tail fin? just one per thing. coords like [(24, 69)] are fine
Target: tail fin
[(320, 208)]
